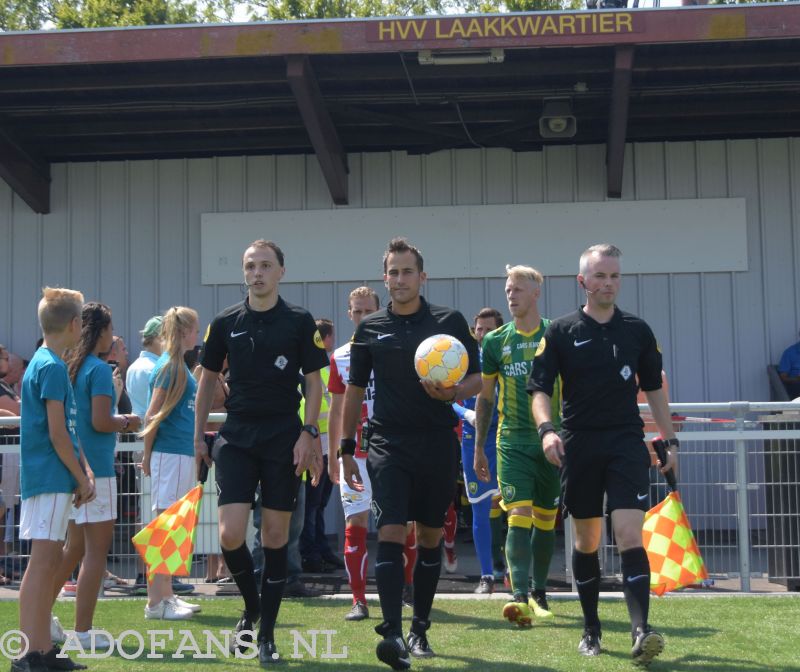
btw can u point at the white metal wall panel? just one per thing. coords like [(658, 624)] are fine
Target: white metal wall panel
[(129, 234)]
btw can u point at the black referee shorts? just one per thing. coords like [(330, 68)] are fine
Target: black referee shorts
[(611, 462), (240, 469), (413, 476)]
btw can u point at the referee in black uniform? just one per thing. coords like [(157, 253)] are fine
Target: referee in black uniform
[(413, 450), (267, 342), (599, 351)]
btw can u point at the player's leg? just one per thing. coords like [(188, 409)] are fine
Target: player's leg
[(586, 570), (93, 568), (237, 473), (628, 486), (409, 563), (274, 542), (356, 511), (100, 514), (71, 555), (43, 520), (516, 480), (480, 495), (279, 488), (583, 488), (497, 523), (171, 477), (482, 539), (390, 475), (433, 491), (547, 493)]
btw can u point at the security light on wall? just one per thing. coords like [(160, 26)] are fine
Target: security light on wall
[(471, 57), (557, 120)]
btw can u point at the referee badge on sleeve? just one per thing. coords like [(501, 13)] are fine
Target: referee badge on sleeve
[(541, 347), (376, 510), (318, 340)]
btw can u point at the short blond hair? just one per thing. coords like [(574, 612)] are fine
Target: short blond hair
[(600, 250), (57, 308), (524, 272), (365, 293)]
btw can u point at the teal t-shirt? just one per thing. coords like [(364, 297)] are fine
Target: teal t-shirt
[(175, 434), (41, 469), (95, 379)]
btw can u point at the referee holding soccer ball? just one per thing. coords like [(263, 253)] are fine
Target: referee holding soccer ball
[(413, 448)]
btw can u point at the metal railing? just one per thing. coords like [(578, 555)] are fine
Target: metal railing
[(739, 480)]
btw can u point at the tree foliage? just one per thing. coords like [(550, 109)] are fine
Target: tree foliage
[(39, 14), (98, 13), (328, 9)]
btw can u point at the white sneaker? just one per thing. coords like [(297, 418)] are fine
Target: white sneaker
[(57, 635), (101, 641), (194, 608), (167, 610)]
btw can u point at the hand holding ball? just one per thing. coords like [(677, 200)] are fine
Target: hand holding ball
[(441, 359)]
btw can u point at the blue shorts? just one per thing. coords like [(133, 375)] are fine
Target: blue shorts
[(478, 490)]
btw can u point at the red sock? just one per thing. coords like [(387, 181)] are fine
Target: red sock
[(450, 524), (355, 560), (410, 556)]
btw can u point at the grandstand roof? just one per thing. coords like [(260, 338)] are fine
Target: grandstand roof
[(340, 86)]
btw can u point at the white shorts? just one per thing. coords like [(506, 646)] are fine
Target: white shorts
[(354, 502), (101, 508), (171, 477), (45, 516)]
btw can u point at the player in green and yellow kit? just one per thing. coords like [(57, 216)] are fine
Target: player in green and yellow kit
[(529, 484)]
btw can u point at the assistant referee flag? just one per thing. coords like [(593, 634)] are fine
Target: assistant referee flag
[(675, 559), (167, 543)]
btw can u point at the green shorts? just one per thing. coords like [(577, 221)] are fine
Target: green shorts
[(526, 478)]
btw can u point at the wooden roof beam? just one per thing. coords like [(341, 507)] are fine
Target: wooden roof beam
[(28, 177), (618, 119), (319, 125)]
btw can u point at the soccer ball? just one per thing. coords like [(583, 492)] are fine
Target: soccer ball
[(441, 359)]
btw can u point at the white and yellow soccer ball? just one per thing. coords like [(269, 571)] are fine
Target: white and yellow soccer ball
[(441, 359)]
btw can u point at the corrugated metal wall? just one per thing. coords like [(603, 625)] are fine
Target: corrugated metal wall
[(127, 234)]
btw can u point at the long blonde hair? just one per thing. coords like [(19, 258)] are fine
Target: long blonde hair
[(177, 321)]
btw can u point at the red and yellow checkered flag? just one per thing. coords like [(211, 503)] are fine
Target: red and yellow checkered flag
[(167, 543), (675, 560)]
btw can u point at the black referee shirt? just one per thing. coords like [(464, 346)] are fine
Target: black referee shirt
[(598, 365), (265, 350), (385, 343)]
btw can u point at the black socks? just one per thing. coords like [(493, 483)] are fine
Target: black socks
[(240, 564), (389, 578), (586, 569), (636, 585), (273, 581)]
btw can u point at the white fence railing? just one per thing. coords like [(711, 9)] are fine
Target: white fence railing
[(739, 480)]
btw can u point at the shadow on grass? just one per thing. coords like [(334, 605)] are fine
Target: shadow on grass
[(692, 663)]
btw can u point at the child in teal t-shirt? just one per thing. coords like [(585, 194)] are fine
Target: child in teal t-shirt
[(53, 475)]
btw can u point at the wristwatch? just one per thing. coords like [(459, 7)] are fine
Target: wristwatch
[(347, 447), (311, 429), (672, 442)]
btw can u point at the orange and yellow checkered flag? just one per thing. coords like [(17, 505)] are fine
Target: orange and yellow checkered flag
[(675, 560), (167, 543)]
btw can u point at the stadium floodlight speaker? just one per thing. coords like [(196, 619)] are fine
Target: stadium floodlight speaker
[(557, 120)]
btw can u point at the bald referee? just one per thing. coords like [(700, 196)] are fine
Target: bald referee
[(598, 351)]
